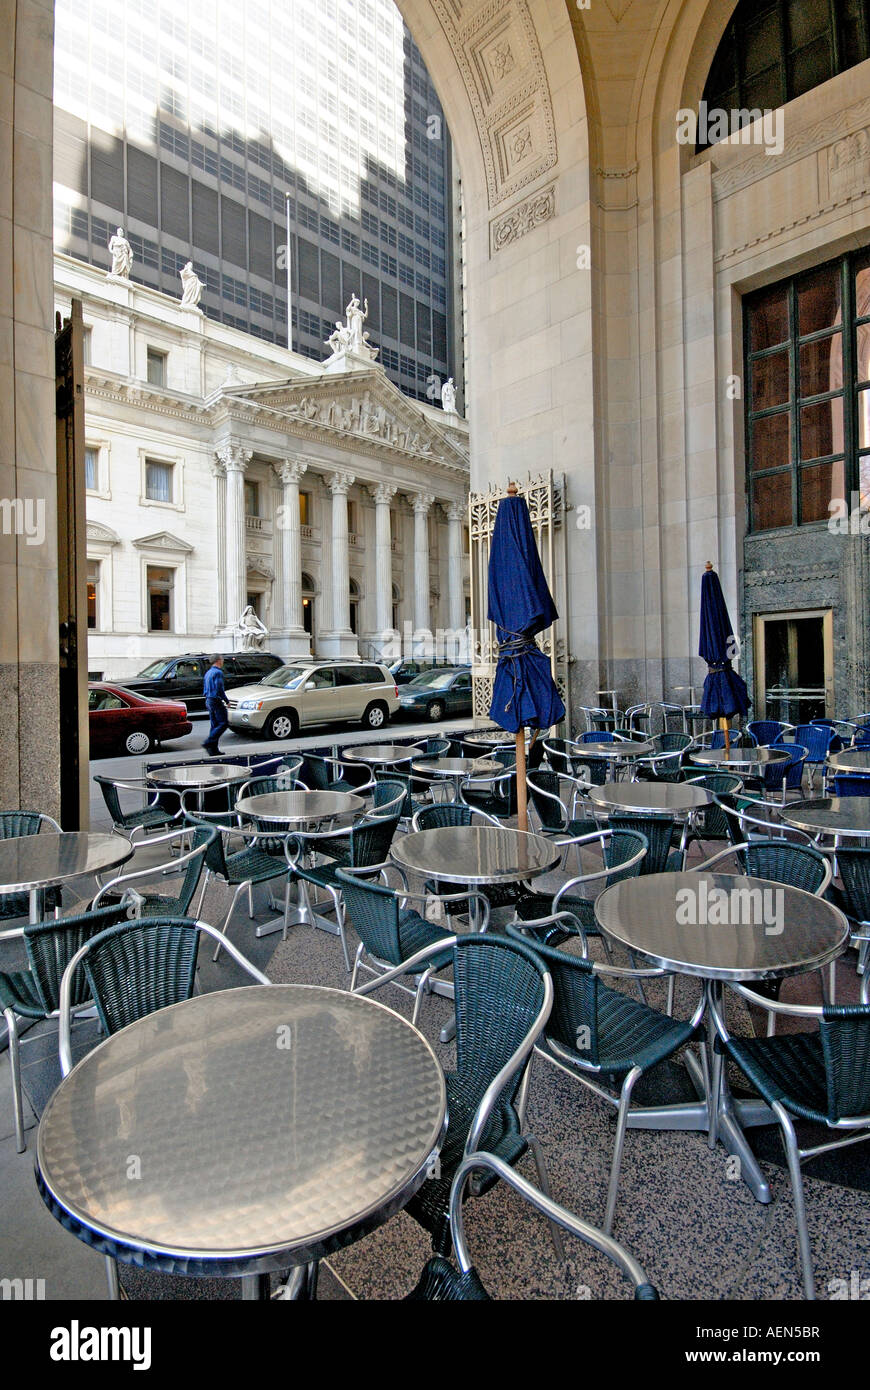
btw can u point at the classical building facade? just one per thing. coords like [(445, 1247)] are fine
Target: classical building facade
[(223, 472)]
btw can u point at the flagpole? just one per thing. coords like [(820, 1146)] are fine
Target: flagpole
[(289, 263)]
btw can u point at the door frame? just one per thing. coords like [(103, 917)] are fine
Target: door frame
[(758, 643)]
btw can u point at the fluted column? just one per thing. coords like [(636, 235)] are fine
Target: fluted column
[(422, 504), (455, 593), (290, 471), (235, 460), (339, 484), (220, 477), (383, 495)]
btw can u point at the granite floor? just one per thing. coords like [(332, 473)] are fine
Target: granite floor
[(698, 1233)]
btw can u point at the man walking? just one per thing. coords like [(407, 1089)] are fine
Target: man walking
[(216, 704)]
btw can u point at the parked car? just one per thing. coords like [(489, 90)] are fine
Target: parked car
[(120, 721), (315, 692), (437, 694), (405, 671), (181, 677)]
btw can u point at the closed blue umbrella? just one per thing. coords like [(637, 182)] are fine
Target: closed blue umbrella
[(725, 692), (524, 694)]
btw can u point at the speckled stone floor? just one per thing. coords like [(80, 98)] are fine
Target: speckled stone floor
[(698, 1233)]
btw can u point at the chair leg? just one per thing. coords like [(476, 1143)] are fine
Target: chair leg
[(205, 878), (226, 922), (250, 901), (619, 1144), (112, 1278), (422, 988), (15, 1063), (356, 964), (832, 984), (544, 1183), (669, 1006), (797, 1188)]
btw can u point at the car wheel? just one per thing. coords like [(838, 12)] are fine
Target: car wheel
[(435, 711), (284, 723), (376, 716), (138, 742)]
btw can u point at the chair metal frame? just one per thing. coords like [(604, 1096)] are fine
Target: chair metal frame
[(250, 838), (590, 1235), (795, 1155), (707, 865), (143, 786), (172, 866)]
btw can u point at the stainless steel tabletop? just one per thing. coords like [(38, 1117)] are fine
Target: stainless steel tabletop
[(377, 753), (459, 767), (665, 798), (740, 757), (830, 815), (43, 861), (299, 807), (631, 748), (200, 775), (476, 854), (667, 918), (272, 1124), (499, 736), (850, 760)]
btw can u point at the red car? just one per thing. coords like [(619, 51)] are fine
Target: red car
[(121, 722)]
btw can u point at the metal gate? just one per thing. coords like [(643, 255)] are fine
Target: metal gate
[(546, 500)]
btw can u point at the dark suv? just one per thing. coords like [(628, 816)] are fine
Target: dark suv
[(181, 677)]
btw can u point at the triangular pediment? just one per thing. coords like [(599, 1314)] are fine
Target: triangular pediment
[(163, 540), (362, 404), (103, 534)]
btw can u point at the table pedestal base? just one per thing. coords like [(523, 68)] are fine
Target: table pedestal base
[(732, 1117)]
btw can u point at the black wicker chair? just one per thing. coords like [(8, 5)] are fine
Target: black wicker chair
[(503, 998), (20, 823)]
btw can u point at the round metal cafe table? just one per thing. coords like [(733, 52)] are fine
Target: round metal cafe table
[(614, 750), (850, 760), (840, 816), (458, 770), (740, 757), (379, 754), (294, 809), (271, 1124), (651, 798), (33, 863), (760, 931), (199, 776), (473, 854), (299, 807)]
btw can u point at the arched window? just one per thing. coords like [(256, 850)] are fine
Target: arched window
[(354, 607), (308, 604), (397, 599), (774, 51)]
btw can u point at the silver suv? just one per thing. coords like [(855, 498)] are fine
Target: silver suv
[(314, 692)]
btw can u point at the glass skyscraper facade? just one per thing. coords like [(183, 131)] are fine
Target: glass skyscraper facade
[(188, 123)]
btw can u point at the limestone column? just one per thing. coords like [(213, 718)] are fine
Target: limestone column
[(455, 592), (383, 495), (339, 484), (291, 545), (422, 504), (235, 460)]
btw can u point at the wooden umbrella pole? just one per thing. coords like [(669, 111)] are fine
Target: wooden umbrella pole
[(522, 792), (727, 732)]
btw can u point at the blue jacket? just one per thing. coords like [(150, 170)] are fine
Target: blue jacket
[(213, 685)]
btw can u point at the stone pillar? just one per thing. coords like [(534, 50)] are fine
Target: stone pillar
[(235, 460), (340, 641), (456, 596), (220, 478), (290, 532), (383, 495), (422, 503)]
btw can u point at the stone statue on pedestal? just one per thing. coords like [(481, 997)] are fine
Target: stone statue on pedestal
[(351, 337), (448, 397), (122, 255), (191, 285), (252, 632)]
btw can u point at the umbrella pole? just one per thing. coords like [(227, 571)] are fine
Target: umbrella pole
[(727, 732), (522, 793)]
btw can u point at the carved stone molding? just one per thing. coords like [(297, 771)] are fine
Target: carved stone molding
[(382, 494), (233, 457), (102, 534), (849, 164), (290, 470), (339, 483), (496, 47), (421, 502), (163, 540), (257, 565), (525, 217), (758, 164)]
